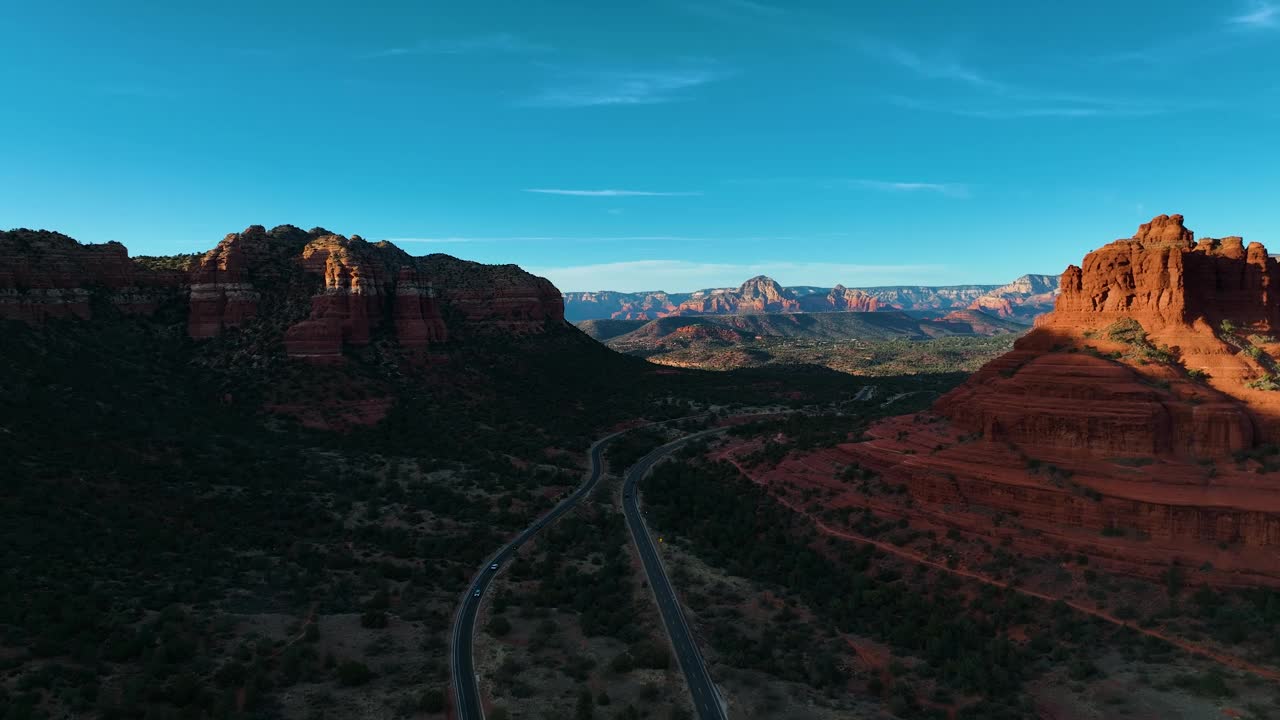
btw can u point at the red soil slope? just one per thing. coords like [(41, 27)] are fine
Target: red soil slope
[(1098, 433)]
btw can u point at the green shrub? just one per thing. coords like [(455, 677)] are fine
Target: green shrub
[(651, 655), (1132, 461), (1127, 330), (1082, 669), (1266, 382), (353, 673), (1210, 684), (1130, 332), (431, 701), (499, 626), (622, 663)]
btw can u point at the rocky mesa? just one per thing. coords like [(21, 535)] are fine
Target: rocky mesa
[(1021, 300), (272, 308), (1138, 422), (46, 275), (351, 287), (1024, 299)]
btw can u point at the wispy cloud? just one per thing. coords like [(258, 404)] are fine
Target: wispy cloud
[(950, 189), (682, 275), (992, 98), (609, 193), (985, 109), (1260, 15), (579, 88), (937, 68), (497, 43)]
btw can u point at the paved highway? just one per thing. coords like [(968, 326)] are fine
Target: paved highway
[(466, 692), (706, 699)]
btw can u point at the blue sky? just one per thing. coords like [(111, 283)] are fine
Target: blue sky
[(671, 144)]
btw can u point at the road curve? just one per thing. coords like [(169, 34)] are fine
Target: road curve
[(466, 692), (707, 702)]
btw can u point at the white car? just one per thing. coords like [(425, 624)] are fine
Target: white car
[(493, 566), (477, 592)]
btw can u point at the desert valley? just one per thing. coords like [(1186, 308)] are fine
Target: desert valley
[(337, 433), (683, 360)]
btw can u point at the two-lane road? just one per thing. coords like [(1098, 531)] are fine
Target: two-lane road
[(466, 693), (706, 698)]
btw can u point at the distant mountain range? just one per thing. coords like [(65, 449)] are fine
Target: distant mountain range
[(1021, 300), (861, 343), (644, 336)]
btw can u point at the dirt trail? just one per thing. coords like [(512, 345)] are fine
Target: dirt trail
[(1221, 658), (302, 632)]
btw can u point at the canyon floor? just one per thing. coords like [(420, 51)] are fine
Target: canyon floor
[(254, 484)]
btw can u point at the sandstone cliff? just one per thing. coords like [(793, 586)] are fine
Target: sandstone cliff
[(46, 275), (1024, 299), (275, 314), (841, 299), (1021, 300), (495, 297), (611, 305), (1152, 309), (760, 294), (260, 278), (1150, 391), (362, 285)]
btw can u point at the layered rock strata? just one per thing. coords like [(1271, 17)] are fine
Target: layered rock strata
[(1144, 406)]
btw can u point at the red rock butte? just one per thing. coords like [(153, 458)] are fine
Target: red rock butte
[(1137, 422), (253, 279)]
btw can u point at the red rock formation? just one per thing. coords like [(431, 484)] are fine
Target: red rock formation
[(1100, 391), (359, 291), (649, 307), (973, 322), (1179, 292), (520, 309), (46, 275), (1079, 402), (349, 305), (841, 299), (760, 294), (1163, 279), (1061, 505), (1025, 298), (490, 298), (620, 306), (363, 285), (417, 314), (221, 294)]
